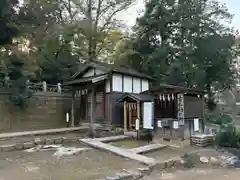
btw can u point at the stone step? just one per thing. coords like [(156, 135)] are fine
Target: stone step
[(41, 132)]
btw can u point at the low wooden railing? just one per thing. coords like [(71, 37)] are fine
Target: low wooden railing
[(38, 87)]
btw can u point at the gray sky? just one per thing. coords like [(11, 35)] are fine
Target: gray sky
[(129, 16)]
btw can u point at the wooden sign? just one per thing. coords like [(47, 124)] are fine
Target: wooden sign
[(159, 123), (175, 125), (180, 103)]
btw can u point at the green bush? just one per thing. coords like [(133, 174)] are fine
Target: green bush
[(190, 160), (224, 119), (228, 137)]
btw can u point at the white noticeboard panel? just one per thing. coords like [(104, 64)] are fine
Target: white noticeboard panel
[(175, 125), (67, 117), (196, 124), (159, 123), (137, 124), (148, 115)]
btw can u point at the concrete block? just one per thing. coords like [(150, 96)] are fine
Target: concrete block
[(112, 178), (7, 148), (19, 146), (124, 176), (170, 163), (145, 171), (72, 140), (49, 141), (28, 145), (58, 140), (39, 141)]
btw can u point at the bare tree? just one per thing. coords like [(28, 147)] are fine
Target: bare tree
[(93, 19)]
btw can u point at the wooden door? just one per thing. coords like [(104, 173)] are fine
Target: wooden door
[(132, 116)]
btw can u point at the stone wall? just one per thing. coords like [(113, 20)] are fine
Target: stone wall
[(45, 110)]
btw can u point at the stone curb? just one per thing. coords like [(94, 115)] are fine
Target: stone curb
[(30, 144), (141, 172)]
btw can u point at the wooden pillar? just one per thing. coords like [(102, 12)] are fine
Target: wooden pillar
[(125, 116), (80, 106), (93, 109), (73, 109), (139, 112), (86, 104), (203, 114)]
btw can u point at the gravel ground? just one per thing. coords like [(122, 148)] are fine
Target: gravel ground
[(170, 152), (196, 174), (89, 165)]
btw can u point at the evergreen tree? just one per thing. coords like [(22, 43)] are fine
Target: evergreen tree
[(184, 43), (8, 27)]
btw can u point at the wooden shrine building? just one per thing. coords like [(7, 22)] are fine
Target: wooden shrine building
[(117, 96), (99, 86)]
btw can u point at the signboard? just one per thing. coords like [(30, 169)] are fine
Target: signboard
[(67, 117), (196, 125), (175, 125), (180, 106), (148, 115), (137, 126), (159, 123)]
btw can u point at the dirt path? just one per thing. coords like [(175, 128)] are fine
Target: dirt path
[(89, 165)]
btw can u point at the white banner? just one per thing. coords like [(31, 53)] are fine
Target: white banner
[(196, 125), (148, 115)]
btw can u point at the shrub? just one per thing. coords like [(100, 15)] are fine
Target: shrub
[(224, 119), (228, 137), (190, 160)]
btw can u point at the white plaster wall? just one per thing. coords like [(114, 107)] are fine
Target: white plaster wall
[(127, 80), (117, 82), (107, 86), (145, 85), (89, 73), (136, 85)]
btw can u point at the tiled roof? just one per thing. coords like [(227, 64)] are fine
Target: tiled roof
[(165, 87), (91, 79), (137, 97), (112, 68)]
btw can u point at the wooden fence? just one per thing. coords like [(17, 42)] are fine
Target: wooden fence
[(38, 87)]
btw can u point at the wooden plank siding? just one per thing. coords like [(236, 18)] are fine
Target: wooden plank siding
[(100, 104)]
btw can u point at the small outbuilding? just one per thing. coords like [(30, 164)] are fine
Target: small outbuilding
[(178, 111), (138, 106)]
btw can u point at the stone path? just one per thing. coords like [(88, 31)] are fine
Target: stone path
[(111, 138), (121, 152), (130, 154), (147, 148), (41, 132)]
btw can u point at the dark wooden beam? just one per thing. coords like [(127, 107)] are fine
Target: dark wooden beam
[(104, 99), (111, 82), (125, 116), (73, 109), (93, 108), (122, 83)]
